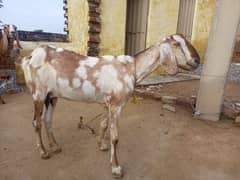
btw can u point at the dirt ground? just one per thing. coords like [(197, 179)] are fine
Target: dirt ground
[(155, 144)]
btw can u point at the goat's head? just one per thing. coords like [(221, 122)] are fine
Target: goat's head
[(177, 52), (11, 31)]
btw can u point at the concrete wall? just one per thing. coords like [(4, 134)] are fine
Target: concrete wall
[(113, 22), (203, 16), (162, 20)]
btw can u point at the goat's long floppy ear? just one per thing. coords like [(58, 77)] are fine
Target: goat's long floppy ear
[(168, 60), (170, 65), (17, 39)]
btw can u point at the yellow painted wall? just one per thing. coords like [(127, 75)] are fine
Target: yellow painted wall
[(113, 17), (162, 20), (78, 25), (204, 12)]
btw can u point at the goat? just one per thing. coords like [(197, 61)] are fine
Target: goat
[(52, 72), (9, 42)]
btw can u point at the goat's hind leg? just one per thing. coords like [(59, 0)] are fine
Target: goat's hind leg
[(38, 110), (2, 101), (102, 142), (50, 104)]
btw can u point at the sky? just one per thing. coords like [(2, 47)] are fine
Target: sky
[(34, 14)]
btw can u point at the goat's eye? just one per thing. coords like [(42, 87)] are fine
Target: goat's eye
[(177, 44)]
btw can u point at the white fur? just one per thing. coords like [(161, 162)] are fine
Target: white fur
[(52, 46), (130, 59), (81, 72), (38, 57), (124, 59), (183, 45), (88, 89), (128, 81), (47, 75), (108, 81), (108, 58), (76, 83), (165, 50), (90, 61), (59, 50), (63, 82), (26, 70), (38, 95)]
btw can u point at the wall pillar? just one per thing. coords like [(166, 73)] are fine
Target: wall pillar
[(218, 59)]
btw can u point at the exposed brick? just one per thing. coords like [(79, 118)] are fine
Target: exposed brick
[(94, 38), (94, 30), (94, 1), (93, 45), (94, 27), (95, 10), (66, 29), (95, 19), (65, 8), (66, 15)]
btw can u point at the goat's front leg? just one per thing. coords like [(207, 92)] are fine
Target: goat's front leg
[(114, 113), (38, 110), (103, 145), (50, 104)]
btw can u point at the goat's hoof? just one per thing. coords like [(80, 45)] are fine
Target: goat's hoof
[(57, 150), (45, 155), (117, 172), (103, 146)]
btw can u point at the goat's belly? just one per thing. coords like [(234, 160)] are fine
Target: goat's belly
[(78, 95)]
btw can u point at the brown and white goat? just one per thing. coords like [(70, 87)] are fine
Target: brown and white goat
[(109, 80)]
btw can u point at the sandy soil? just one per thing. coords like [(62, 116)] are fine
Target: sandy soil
[(154, 144)]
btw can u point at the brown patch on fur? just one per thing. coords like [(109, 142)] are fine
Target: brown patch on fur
[(64, 62)]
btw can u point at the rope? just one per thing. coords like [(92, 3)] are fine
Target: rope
[(134, 100)]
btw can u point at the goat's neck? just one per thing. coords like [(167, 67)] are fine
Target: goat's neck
[(146, 62)]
